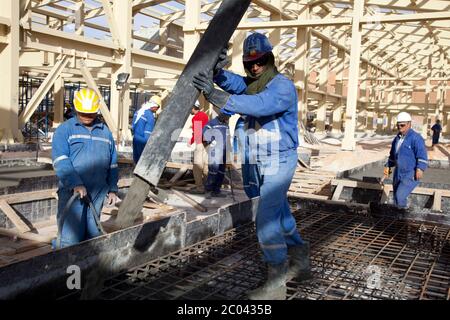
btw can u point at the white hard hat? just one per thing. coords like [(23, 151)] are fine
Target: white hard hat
[(150, 104), (404, 117), (197, 104)]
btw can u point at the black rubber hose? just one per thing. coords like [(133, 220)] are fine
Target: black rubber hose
[(66, 210)]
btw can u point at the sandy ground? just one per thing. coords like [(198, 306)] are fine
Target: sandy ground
[(431, 175), (368, 149)]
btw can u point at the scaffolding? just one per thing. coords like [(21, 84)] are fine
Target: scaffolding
[(367, 59)]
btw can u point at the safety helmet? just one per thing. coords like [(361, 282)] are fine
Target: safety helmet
[(404, 117), (157, 100), (255, 46), (86, 101), (197, 104)]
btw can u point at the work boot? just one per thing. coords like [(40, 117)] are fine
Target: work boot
[(299, 262), (218, 195), (197, 191), (275, 286)]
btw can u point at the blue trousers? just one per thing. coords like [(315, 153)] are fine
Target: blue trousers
[(402, 189), (216, 174), (79, 224), (275, 226), (435, 139), (138, 148)]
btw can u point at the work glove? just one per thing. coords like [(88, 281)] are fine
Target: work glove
[(223, 118), (226, 112), (205, 84), (387, 171), (81, 190), (222, 61), (112, 200)]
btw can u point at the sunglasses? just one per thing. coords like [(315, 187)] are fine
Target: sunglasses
[(259, 62)]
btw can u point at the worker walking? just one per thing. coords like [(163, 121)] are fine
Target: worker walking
[(85, 161), (268, 104), (200, 169), (215, 135), (143, 125), (437, 129), (409, 157)]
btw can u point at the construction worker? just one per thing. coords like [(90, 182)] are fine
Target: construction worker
[(69, 113), (85, 161), (409, 157), (437, 129), (143, 125), (200, 170), (215, 135), (267, 102)]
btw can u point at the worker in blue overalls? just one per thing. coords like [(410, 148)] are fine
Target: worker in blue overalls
[(85, 161), (409, 157), (268, 104), (143, 125), (436, 129), (215, 136)]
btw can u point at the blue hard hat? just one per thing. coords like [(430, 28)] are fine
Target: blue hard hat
[(255, 46)]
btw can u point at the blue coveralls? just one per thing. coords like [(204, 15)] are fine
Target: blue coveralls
[(215, 133), (83, 158), (142, 129), (437, 128), (411, 155), (268, 138)]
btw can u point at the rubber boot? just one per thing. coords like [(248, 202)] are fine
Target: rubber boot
[(275, 286), (299, 262)]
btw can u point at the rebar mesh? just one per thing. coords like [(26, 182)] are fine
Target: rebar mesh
[(353, 256)]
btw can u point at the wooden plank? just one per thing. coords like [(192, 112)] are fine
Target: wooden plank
[(5, 260), (304, 164), (27, 235), (376, 186), (337, 192), (14, 217), (191, 201), (175, 165), (437, 201), (7, 251), (156, 215), (310, 182), (307, 187), (322, 186), (45, 194), (32, 245), (307, 196), (125, 161), (33, 253), (315, 175), (178, 175), (29, 196), (151, 205)]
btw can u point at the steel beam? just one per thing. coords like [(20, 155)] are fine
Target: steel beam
[(42, 91)]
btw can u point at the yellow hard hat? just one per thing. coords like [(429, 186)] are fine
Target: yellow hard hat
[(157, 100), (86, 101)]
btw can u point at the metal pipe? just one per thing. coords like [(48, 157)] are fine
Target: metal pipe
[(160, 145)]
